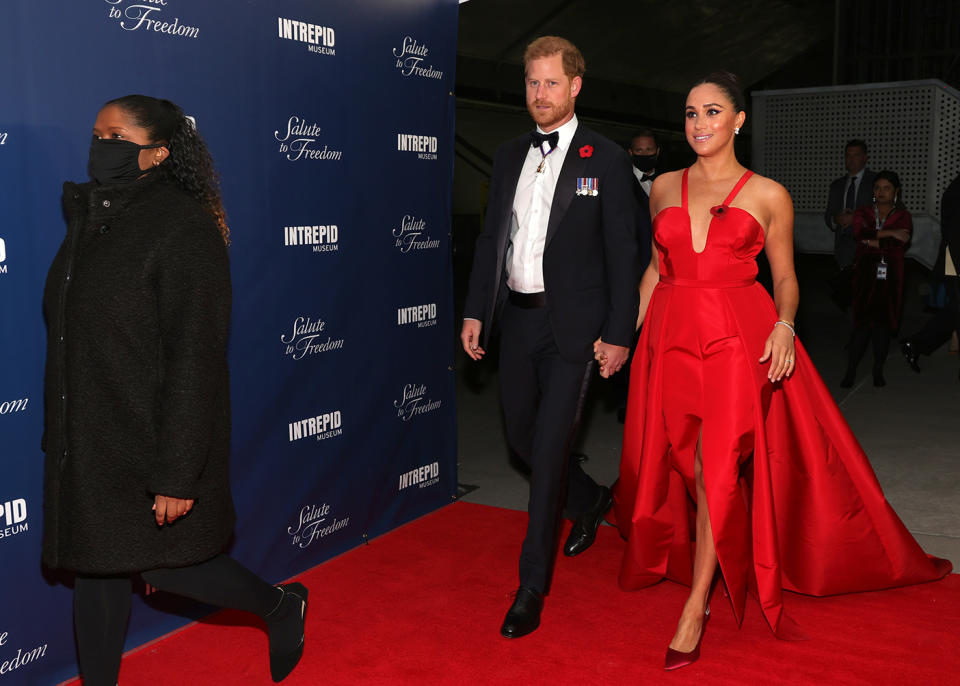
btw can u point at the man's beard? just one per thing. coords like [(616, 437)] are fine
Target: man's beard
[(549, 118)]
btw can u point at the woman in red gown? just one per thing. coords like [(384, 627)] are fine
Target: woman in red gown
[(732, 440)]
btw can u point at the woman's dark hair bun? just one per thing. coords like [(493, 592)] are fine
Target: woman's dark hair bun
[(729, 83)]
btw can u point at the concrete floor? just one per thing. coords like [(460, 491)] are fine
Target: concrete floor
[(910, 429)]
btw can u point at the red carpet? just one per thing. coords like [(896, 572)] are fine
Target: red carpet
[(423, 605)]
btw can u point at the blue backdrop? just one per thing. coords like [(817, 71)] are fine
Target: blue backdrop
[(332, 126)]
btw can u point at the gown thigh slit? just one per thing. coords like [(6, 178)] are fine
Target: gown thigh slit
[(792, 499)]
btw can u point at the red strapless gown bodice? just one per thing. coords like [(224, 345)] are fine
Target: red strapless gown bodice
[(734, 240), (793, 501)]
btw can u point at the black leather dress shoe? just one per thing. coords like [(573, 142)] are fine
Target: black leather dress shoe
[(523, 617), (585, 526), (911, 355)]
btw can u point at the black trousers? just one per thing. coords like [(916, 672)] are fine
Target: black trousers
[(542, 396), (101, 607), (941, 325)]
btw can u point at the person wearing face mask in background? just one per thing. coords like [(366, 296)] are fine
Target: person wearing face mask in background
[(137, 417), (732, 441), (644, 153)]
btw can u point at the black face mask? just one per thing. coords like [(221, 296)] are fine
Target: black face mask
[(645, 163), (116, 161)]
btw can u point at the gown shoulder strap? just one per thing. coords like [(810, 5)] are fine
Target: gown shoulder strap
[(736, 189), (683, 189)]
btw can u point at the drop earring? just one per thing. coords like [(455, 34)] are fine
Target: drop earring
[(736, 131)]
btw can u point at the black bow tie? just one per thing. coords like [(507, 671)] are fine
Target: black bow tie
[(537, 139), (646, 177)]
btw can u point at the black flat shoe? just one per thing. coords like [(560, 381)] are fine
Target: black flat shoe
[(847, 381), (584, 530), (911, 355), (285, 626), (523, 617)]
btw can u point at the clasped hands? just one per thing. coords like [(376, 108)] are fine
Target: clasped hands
[(611, 358)]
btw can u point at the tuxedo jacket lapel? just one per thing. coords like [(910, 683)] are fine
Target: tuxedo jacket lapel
[(573, 167)]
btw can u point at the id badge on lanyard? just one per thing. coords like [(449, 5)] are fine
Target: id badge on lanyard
[(882, 270), (882, 264)]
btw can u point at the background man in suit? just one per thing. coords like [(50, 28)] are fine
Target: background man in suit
[(556, 266), (644, 153), (850, 191), (941, 326)]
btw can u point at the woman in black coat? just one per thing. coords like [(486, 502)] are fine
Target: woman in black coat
[(137, 412)]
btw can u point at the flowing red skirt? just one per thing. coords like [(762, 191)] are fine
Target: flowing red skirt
[(794, 503)]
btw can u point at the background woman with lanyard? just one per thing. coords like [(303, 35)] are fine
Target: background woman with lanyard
[(882, 233)]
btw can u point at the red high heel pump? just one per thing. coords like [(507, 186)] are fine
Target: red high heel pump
[(675, 659)]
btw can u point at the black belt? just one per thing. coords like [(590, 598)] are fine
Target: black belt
[(528, 301)]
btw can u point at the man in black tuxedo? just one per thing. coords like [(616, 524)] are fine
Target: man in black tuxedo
[(644, 153), (852, 190), (940, 326), (556, 266)]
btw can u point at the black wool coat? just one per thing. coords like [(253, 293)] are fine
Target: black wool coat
[(137, 304)]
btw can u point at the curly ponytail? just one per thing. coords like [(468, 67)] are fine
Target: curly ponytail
[(189, 165)]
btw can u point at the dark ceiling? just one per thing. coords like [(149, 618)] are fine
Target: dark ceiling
[(659, 44), (642, 54)]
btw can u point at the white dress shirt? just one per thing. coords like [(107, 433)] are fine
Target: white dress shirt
[(531, 212), (645, 185)]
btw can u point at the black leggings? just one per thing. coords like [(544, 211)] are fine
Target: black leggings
[(101, 607)]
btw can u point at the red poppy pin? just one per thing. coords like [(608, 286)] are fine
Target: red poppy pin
[(586, 151)]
